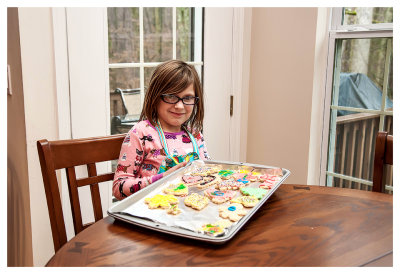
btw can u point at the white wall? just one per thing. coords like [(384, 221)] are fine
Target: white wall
[(281, 88), (38, 75)]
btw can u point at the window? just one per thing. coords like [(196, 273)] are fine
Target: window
[(361, 90), (138, 40)]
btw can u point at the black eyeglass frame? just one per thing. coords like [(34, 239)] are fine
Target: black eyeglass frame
[(196, 99)]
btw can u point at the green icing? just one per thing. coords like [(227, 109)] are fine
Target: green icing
[(180, 187), (251, 191), (225, 173)]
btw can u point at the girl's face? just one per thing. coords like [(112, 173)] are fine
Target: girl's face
[(172, 116)]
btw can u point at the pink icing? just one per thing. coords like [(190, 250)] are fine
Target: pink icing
[(251, 177), (267, 184), (230, 184), (269, 178), (191, 180), (238, 176), (219, 196), (274, 171)]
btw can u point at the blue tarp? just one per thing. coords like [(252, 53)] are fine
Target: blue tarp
[(357, 90)]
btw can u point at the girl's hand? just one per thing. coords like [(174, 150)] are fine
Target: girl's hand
[(172, 169)]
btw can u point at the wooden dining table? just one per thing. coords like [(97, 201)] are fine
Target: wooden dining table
[(299, 225)]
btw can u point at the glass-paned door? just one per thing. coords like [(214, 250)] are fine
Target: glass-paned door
[(362, 97), (139, 39)]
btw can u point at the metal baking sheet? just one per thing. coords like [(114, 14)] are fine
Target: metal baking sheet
[(186, 224)]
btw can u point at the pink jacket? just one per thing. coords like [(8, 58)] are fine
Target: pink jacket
[(142, 154)]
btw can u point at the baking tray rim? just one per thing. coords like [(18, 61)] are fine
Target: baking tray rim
[(177, 231)]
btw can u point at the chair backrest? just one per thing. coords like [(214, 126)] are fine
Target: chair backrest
[(130, 100), (68, 154), (383, 156)]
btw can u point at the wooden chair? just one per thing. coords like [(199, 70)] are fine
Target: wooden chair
[(67, 154), (383, 155)]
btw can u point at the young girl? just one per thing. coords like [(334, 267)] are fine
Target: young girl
[(169, 132)]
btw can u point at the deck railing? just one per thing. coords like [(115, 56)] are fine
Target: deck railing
[(355, 147)]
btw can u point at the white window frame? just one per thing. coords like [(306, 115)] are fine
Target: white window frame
[(198, 38), (337, 31)]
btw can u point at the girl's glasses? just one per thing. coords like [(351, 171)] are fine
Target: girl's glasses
[(173, 99)]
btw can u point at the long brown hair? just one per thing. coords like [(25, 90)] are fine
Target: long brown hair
[(172, 77)]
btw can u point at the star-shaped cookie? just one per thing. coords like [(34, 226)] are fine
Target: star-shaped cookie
[(162, 201)]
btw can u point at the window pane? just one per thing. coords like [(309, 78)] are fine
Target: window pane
[(157, 28), (124, 114), (123, 35), (184, 34), (355, 145), (124, 78), (362, 74), (366, 16)]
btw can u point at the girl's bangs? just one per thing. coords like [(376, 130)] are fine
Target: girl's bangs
[(178, 84)]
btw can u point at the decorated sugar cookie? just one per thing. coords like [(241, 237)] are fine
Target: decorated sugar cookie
[(177, 190), (173, 210), (196, 201), (274, 171), (252, 177), (239, 175), (252, 191), (267, 185), (200, 171), (191, 180), (206, 170), (269, 178), (244, 181), (216, 228), (212, 229), (207, 181), (268, 181), (246, 201), (232, 212), (229, 184), (162, 201), (225, 174), (218, 196), (214, 169)]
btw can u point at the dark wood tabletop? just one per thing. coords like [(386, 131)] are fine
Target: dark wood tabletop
[(297, 226)]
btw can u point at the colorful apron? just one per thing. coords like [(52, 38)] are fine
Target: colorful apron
[(171, 160)]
